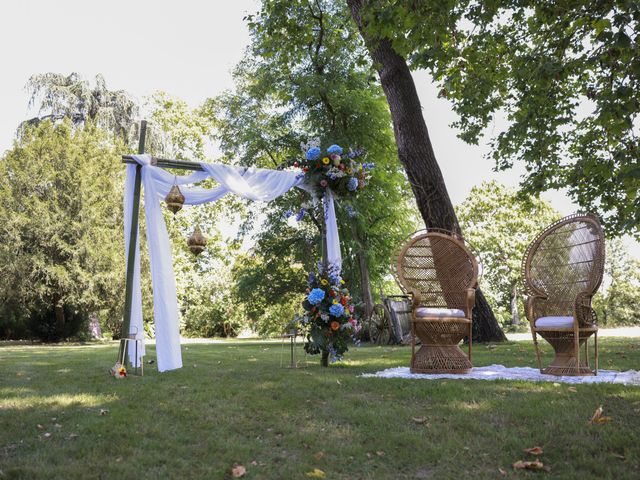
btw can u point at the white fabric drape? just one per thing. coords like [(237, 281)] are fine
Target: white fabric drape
[(250, 183), (136, 304), (333, 239)]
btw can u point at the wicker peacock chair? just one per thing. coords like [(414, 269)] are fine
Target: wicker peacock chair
[(562, 270), (441, 274)]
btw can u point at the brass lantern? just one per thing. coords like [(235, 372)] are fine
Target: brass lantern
[(197, 241), (174, 199)]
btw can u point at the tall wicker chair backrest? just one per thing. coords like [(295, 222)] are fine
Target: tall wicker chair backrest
[(439, 267), (563, 262)]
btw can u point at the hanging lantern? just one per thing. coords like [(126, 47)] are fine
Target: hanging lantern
[(197, 241), (174, 199)]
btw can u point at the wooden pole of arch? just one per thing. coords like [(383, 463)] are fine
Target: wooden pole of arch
[(133, 239)]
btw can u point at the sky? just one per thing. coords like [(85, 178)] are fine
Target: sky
[(188, 50)]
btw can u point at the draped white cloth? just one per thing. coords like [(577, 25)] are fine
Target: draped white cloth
[(251, 183)]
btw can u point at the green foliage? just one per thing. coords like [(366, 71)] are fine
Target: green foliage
[(202, 282), (305, 76), (59, 96), (500, 223), (617, 302), (61, 240), (564, 74)]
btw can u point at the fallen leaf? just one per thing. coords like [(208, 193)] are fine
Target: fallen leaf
[(598, 417), (419, 420), (238, 471), (502, 471), (534, 450), (572, 389), (73, 435), (316, 473), (104, 411), (254, 463), (119, 460), (380, 453), (535, 465), (47, 435), (319, 455), (40, 427), (57, 425), (617, 455), (369, 454)]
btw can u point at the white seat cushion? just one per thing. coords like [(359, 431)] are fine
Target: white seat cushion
[(438, 312), (554, 322)]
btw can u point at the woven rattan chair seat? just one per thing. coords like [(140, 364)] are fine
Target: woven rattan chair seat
[(438, 312), (554, 322)]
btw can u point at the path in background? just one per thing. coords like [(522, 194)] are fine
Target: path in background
[(630, 332)]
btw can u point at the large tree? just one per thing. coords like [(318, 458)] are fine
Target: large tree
[(306, 75), (61, 238), (57, 96), (565, 75), (414, 145)]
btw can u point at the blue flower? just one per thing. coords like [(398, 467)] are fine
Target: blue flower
[(300, 215), (336, 309), (288, 213), (352, 184), (312, 277), (316, 296), (313, 153), (351, 213), (368, 166), (337, 149)]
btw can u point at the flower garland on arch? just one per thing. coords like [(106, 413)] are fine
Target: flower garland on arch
[(328, 319), (328, 316)]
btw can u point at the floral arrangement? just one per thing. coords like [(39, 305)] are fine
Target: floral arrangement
[(342, 173), (328, 316), (118, 371)]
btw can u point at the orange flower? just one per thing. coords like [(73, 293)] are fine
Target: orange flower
[(335, 325)]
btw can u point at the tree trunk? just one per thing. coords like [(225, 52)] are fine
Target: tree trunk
[(365, 283), (515, 316), (416, 154), (59, 313)]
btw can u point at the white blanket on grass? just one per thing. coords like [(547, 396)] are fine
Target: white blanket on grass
[(500, 372)]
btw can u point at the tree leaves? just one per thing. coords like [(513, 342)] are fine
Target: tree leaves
[(567, 80)]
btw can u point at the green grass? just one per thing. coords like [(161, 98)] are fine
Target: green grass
[(232, 403)]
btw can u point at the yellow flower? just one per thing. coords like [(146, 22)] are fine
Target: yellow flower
[(335, 301), (325, 160), (341, 282), (324, 281), (349, 171)]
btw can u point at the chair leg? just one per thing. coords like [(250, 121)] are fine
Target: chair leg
[(595, 348), (470, 340), (535, 344), (413, 342), (576, 349)]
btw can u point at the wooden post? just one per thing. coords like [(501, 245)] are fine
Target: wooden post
[(133, 239)]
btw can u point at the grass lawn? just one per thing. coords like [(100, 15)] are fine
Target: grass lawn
[(233, 404)]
